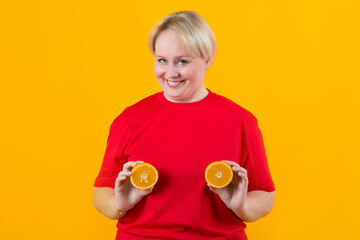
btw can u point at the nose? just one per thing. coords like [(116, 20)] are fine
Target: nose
[(171, 71)]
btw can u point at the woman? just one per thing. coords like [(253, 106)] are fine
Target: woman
[(180, 131)]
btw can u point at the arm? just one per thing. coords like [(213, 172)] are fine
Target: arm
[(248, 206), (104, 199), (258, 204), (124, 197)]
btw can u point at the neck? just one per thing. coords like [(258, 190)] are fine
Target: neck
[(199, 96)]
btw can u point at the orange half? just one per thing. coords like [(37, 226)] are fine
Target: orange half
[(144, 176), (218, 174)]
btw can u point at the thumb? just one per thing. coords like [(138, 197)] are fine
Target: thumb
[(215, 190), (146, 192)]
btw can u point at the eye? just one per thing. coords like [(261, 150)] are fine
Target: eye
[(182, 62), (161, 60)]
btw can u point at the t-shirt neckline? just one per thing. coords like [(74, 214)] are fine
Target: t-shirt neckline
[(164, 101)]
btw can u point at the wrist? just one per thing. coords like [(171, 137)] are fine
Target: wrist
[(241, 211), (121, 212)]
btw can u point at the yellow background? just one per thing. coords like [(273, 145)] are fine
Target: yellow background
[(68, 68)]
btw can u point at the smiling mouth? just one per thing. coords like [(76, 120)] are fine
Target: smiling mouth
[(173, 83)]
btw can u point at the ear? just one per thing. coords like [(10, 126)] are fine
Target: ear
[(208, 62)]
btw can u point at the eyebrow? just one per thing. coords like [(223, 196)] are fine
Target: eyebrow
[(181, 56)]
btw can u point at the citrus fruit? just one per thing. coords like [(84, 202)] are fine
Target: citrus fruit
[(144, 176), (218, 174)]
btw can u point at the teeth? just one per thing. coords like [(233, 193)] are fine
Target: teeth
[(173, 83)]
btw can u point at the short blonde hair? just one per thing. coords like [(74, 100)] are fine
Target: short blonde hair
[(195, 32)]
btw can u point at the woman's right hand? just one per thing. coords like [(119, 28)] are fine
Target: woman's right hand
[(126, 195)]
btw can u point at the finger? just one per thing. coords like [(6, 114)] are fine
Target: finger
[(129, 165), (241, 183), (122, 177), (215, 190), (119, 180), (240, 169), (244, 178), (231, 163), (123, 173), (211, 188)]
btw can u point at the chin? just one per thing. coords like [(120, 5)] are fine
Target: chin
[(174, 97)]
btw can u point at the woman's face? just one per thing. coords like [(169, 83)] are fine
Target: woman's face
[(179, 73)]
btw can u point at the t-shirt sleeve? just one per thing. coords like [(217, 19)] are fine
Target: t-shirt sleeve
[(114, 157), (253, 157)]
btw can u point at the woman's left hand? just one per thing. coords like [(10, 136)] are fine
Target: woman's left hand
[(234, 195)]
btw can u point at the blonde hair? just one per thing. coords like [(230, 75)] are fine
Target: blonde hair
[(195, 32)]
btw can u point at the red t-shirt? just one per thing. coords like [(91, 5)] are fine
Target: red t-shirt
[(180, 140)]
